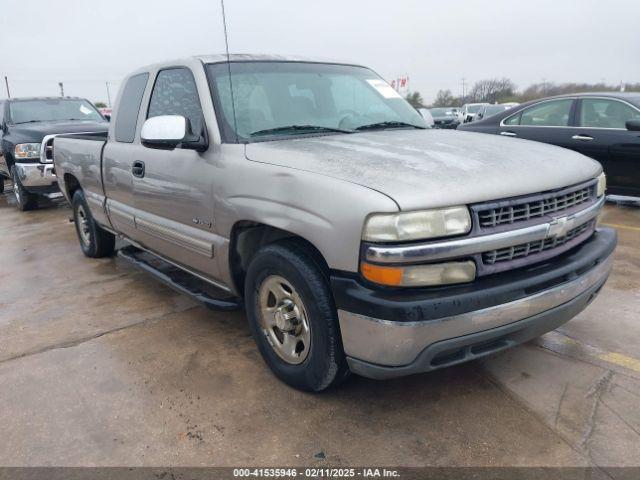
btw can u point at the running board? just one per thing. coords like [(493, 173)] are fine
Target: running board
[(176, 278)]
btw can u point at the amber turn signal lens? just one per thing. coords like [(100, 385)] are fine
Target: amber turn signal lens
[(446, 273), (391, 276)]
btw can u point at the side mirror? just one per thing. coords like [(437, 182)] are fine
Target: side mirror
[(107, 117), (170, 131), (633, 125)]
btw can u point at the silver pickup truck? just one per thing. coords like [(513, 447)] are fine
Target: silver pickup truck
[(356, 239)]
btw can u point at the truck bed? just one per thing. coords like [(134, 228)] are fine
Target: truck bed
[(78, 160)]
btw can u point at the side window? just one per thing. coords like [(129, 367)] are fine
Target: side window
[(515, 120), (606, 113), (128, 108), (554, 113), (175, 93)]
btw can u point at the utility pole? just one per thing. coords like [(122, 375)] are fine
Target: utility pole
[(61, 89), (544, 87), (463, 89), (108, 94), (6, 82)]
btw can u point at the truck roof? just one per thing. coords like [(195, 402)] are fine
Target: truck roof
[(238, 57), (27, 99)]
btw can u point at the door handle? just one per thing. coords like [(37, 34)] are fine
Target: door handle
[(509, 134), (137, 168), (584, 138)]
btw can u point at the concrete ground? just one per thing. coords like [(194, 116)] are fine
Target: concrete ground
[(102, 365)]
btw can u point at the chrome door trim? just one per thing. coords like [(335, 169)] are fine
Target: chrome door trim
[(175, 237), (124, 213), (472, 245), (502, 124)]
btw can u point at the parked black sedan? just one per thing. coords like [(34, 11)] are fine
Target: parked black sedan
[(604, 126), (445, 117)]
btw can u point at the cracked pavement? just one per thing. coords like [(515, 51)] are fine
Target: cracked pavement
[(102, 365)]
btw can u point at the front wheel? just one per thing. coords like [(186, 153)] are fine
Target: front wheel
[(24, 199), (293, 318), (95, 242)]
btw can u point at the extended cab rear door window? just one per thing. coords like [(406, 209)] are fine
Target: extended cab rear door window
[(128, 108), (175, 93)]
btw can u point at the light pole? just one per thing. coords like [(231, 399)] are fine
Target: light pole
[(108, 94), (6, 83), (61, 89)]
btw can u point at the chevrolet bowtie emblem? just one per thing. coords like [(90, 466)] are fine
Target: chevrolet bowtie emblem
[(560, 226)]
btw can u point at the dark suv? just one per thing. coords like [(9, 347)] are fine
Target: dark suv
[(27, 129)]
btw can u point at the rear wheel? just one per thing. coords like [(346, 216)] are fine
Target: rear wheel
[(293, 317), (95, 242), (24, 199)]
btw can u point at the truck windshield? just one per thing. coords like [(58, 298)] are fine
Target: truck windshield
[(52, 110), (272, 100)]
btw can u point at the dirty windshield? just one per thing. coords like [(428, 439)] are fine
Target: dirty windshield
[(272, 100), (52, 110)]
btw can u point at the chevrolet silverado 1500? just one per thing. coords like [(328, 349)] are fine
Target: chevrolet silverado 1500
[(356, 239)]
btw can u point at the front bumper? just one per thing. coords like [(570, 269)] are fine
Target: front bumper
[(37, 176), (395, 333)]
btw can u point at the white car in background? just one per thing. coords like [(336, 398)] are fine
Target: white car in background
[(469, 111)]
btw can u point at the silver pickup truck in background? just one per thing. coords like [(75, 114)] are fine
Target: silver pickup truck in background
[(356, 239)]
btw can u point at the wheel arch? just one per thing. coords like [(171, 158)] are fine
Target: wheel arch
[(247, 237)]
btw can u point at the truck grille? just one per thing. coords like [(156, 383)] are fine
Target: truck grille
[(526, 249), (537, 207), (48, 150)]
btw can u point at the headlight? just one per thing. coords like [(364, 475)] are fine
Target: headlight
[(407, 226), (27, 150), (602, 184), (420, 275)]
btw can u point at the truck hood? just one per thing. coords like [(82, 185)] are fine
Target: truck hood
[(432, 168), (35, 132)]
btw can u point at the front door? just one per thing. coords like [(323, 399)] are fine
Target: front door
[(173, 193), (602, 135)]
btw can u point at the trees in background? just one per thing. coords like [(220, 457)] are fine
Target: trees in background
[(445, 98), (415, 99), (100, 105), (500, 90)]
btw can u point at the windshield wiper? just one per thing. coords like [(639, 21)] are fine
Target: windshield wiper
[(310, 128), (388, 124), (28, 121)]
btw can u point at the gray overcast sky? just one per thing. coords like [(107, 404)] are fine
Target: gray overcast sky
[(86, 43)]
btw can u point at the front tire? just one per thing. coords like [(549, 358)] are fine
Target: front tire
[(24, 200), (94, 241), (293, 317)]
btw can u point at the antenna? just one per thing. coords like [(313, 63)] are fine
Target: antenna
[(226, 44)]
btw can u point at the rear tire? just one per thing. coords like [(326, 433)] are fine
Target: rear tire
[(24, 200), (95, 242), (296, 330)]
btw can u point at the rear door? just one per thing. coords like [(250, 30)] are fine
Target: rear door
[(174, 195), (548, 121), (117, 156), (601, 134)]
